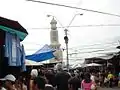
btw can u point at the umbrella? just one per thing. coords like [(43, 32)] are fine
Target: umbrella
[(93, 64), (13, 27)]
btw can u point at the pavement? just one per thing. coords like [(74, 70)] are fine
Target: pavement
[(115, 88)]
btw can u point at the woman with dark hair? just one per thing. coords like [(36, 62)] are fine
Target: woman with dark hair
[(74, 83), (50, 77), (87, 83)]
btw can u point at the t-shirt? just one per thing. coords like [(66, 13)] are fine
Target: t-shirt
[(92, 78), (61, 79), (48, 87), (110, 76), (3, 88), (86, 86)]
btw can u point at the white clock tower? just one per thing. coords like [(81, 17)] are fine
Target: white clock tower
[(55, 42)]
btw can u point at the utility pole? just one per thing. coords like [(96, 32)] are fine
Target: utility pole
[(66, 39), (66, 42)]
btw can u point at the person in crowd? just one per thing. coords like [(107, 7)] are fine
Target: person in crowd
[(82, 75), (119, 79), (49, 87), (2, 85), (34, 74), (74, 83), (20, 84), (72, 74), (61, 78), (97, 80), (102, 77), (119, 76), (41, 72), (87, 83), (92, 77), (76, 73), (110, 78), (106, 82), (38, 83), (50, 78), (9, 81)]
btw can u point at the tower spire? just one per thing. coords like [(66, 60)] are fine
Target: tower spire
[(53, 24)]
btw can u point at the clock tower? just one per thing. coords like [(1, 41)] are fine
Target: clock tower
[(54, 39)]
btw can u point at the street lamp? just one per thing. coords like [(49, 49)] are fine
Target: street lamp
[(66, 39), (74, 18), (55, 18)]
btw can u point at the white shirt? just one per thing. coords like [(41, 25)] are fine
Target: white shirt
[(92, 78), (3, 88)]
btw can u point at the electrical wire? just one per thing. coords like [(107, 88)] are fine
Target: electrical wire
[(74, 7), (94, 51), (75, 48), (90, 46), (100, 25)]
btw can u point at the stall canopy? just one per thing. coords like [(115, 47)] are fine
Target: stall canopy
[(43, 54), (32, 63), (93, 64), (13, 27)]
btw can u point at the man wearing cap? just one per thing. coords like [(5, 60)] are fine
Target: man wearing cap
[(9, 82)]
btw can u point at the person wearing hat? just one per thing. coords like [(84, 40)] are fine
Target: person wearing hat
[(9, 82), (33, 74)]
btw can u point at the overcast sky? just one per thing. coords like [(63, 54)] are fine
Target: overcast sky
[(32, 16)]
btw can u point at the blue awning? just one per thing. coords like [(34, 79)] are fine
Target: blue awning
[(43, 54)]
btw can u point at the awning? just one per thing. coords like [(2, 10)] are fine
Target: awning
[(32, 63), (13, 27), (43, 54)]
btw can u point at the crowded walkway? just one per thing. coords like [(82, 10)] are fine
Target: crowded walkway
[(58, 79)]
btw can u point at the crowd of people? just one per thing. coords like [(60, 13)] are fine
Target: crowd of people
[(48, 79)]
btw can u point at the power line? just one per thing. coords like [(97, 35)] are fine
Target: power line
[(74, 7), (93, 51), (88, 46), (100, 25), (77, 47)]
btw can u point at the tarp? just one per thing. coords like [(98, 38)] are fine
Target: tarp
[(43, 54), (93, 64), (32, 63)]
